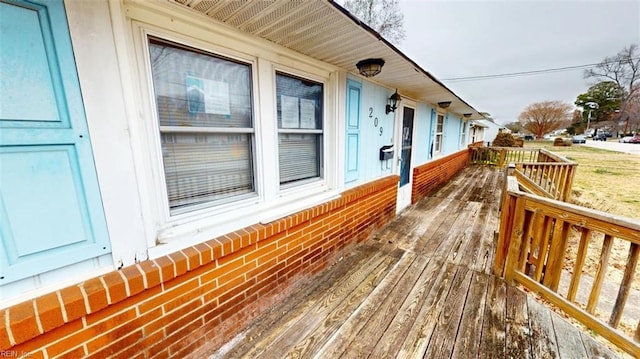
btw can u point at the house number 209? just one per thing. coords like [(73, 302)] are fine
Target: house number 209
[(375, 121)]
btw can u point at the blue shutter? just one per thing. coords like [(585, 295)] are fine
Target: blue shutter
[(352, 163), (50, 207)]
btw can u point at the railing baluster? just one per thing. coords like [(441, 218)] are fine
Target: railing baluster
[(544, 246), (602, 270), (577, 268), (535, 251), (548, 172), (562, 182), (515, 240), (623, 292), (557, 249), (553, 182), (527, 239)]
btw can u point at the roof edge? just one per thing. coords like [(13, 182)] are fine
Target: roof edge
[(377, 35)]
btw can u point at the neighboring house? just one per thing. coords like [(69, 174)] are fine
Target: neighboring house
[(477, 129), (490, 130), (145, 144)]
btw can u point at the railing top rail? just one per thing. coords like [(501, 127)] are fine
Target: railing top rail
[(519, 149), (556, 156), (546, 163), (579, 211)]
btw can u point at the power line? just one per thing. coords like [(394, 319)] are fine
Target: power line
[(528, 73)]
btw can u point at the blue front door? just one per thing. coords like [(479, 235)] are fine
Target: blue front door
[(50, 207)]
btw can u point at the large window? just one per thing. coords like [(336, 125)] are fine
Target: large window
[(205, 113), (300, 116), (439, 133), (463, 134)]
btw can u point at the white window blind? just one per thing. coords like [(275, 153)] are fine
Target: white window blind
[(300, 119), (463, 135), (206, 125), (439, 132)]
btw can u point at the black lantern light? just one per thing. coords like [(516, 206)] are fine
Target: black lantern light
[(444, 104), (393, 102), (370, 67)]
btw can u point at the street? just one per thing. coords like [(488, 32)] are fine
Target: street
[(614, 145)]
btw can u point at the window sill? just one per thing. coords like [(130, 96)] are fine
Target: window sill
[(191, 231)]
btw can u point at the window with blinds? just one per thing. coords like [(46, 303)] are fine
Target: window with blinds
[(300, 116), (463, 135), (439, 133), (205, 114)]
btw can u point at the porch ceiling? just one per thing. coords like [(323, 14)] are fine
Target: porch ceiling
[(325, 31)]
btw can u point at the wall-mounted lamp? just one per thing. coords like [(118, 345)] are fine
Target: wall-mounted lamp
[(393, 102), (370, 67), (467, 115), (444, 104)]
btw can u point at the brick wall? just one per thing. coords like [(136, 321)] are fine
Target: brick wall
[(430, 176), (196, 299)]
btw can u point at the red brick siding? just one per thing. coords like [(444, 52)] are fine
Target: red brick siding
[(198, 298), (430, 176)]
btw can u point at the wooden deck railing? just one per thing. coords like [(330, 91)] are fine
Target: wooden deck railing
[(539, 171), (532, 251)]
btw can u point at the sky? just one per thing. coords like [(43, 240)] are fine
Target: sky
[(453, 39)]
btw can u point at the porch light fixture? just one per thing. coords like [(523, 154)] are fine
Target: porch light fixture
[(444, 104), (370, 67), (467, 115), (393, 102)]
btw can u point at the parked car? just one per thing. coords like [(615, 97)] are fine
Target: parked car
[(529, 138), (600, 137), (625, 139), (579, 139), (634, 139)]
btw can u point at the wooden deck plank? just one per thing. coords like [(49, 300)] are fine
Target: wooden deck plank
[(517, 336), (378, 322), (570, 345), (443, 339), (543, 337), (341, 338), (333, 337), (492, 343), (290, 310), (594, 349), (341, 299), (421, 287), (467, 342), (311, 306), (417, 339), (423, 219), (411, 309)]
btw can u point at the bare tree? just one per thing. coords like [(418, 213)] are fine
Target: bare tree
[(624, 70), (384, 16), (543, 117)]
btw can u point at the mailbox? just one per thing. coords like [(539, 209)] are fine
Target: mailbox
[(386, 153)]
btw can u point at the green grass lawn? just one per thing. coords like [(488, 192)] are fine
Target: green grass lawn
[(605, 180)]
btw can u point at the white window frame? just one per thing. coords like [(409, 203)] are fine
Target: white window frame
[(166, 130), (438, 137), (310, 181), (271, 201), (463, 134)]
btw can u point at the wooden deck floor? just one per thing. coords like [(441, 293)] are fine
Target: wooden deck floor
[(420, 288)]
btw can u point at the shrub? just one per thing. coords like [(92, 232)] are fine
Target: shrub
[(504, 139), (559, 141)]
